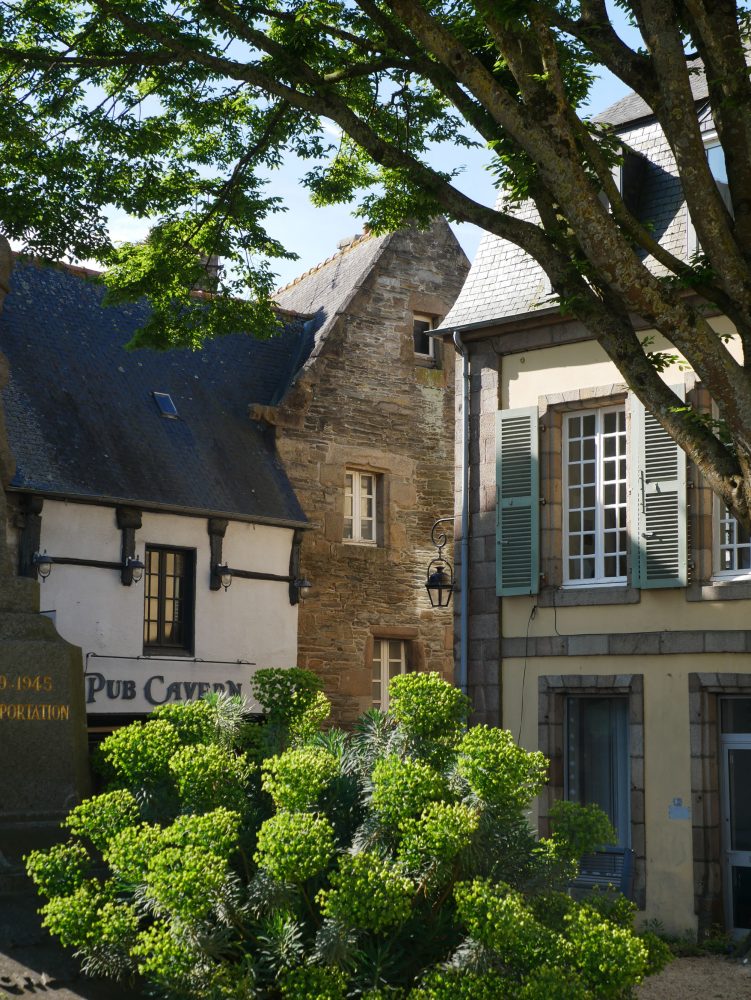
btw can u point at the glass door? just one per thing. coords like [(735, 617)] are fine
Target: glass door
[(735, 745)]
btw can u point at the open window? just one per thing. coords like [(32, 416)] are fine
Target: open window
[(425, 345)]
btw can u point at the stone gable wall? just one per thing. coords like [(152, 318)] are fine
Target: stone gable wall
[(366, 403)]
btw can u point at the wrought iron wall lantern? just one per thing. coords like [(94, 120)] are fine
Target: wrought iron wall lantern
[(131, 570), (43, 563), (222, 574), (225, 574), (136, 567), (440, 576)]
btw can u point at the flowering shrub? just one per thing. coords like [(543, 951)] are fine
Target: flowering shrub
[(499, 771), (293, 847), (442, 831), (427, 707), (273, 860), (206, 776), (296, 778), (403, 788), (101, 818), (369, 893)]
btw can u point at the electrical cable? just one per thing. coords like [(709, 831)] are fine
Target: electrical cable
[(532, 614)]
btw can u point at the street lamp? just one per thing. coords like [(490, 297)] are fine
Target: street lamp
[(440, 576)]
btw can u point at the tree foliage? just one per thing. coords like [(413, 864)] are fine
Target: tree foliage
[(175, 111), (376, 864)]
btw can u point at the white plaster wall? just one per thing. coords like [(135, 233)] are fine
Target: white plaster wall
[(252, 621)]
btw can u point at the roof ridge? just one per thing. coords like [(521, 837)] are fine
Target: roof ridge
[(77, 270), (356, 242), (86, 272)]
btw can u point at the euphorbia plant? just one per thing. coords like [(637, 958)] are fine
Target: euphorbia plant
[(281, 860)]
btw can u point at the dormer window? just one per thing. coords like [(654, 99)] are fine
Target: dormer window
[(716, 160), (424, 344)]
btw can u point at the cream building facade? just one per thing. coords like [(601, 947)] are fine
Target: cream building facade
[(609, 595)]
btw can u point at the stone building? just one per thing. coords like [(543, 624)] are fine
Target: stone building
[(325, 452), (609, 591), (365, 434)]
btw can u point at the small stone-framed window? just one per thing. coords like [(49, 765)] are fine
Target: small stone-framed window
[(425, 345), (390, 650), (362, 503), (390, 658)]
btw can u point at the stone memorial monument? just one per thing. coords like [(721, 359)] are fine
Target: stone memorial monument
[(43, 747)]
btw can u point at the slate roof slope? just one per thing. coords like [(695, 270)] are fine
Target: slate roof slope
[(82, 421), (504, 282), (632, 107), (327, 290)]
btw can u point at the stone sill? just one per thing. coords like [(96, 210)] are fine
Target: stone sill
[(583, 597), (719, 590)]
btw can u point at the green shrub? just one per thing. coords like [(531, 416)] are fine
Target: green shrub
[(579, 830), (428, 708), (442, 831), (60, 870), (207, 776), (296, 779), (497, 770), (402, 788), (101, 818), (368, 893), (293, 847), (138, 756), (393, 863)]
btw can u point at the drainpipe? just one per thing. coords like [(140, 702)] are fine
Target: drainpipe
[(464, 578)]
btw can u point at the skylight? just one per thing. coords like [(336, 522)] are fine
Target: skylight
[(166, 407)]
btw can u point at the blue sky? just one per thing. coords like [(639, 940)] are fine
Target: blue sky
[(313, 233)]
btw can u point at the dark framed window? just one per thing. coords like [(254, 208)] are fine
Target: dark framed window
[(597, 758), (169, 589)]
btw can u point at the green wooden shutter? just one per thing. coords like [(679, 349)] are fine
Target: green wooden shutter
[(517, 503), (658, 502)]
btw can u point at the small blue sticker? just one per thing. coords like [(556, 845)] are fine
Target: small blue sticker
[(677, 810)]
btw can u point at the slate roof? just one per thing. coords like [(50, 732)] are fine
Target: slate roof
[(82, 421), (632, 107), (505, 283), (326, 291)]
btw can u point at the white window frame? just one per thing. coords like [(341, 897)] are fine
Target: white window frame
[(381, 662), (353, 499), (719, 514), (430, 320), (599, 579)]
